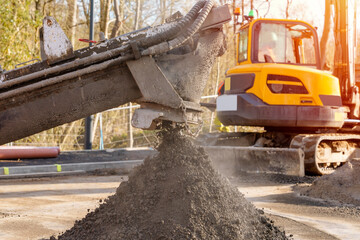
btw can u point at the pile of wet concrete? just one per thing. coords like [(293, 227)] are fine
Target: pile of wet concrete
[(175, 195), (342, 186)]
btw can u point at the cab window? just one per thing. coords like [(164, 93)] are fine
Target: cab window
[(243, 45), (291, 43)]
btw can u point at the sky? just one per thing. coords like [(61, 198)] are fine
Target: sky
[(311, 11), (298, 8)]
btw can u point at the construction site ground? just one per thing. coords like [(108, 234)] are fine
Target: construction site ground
[(38, 208)]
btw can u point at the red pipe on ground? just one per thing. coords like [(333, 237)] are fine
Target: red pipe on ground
[(15, 152)]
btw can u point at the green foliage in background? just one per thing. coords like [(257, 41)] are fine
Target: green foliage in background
[(18, 32)]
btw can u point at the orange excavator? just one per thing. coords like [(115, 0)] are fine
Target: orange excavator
[(278, 83)]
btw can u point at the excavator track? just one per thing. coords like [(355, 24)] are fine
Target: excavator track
[(325, 152)]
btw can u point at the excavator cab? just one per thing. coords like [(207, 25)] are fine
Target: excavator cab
[(272, 37), (277, 81), (278, 41)]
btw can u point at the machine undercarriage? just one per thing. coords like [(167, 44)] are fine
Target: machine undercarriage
[(322, 152)]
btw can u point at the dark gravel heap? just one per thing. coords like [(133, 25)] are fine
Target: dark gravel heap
[(175, 195)]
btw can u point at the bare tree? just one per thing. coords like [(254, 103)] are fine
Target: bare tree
[(162, 10), (119, 17), (141, 18), (137, 14), (39, 6), (234, 7), (242, 9), (171, 7), (325, 34), (86, 12), (71, 20), (288, 4), (261, 6), (104, 15)]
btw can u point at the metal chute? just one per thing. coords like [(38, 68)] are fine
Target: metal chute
[(68, 85)]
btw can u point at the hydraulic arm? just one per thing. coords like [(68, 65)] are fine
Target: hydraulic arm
[(345, 48)]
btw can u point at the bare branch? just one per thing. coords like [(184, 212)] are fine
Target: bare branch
[(325, 34), (119, 18), (288, 4), (86, 12)]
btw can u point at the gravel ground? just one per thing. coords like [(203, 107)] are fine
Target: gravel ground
[(303, 216), (61, 201), (342, 186), (175, 195)]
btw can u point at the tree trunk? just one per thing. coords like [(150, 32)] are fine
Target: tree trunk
[(71, 20), (86, 12), (141, 21), (171, 7), (233, 8), (162, 10), (242, 10), (119, 17), (137, 15), (131, 135), (104, 16), (39, 4), (39, 8), (325, 34)]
